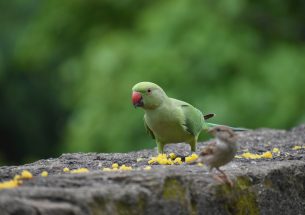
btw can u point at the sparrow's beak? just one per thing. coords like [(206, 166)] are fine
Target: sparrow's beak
[(137, 99)]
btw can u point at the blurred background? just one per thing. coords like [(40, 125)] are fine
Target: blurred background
[(67, 68)]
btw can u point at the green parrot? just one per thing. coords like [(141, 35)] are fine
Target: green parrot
[(169, 120)]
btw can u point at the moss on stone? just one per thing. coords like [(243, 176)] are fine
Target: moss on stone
[(194, 209), (268, 183), (245, 203), (176, 192), (173, 189), (98, 206), (242, 183), (120, 207), (123, 208), (239, 199)]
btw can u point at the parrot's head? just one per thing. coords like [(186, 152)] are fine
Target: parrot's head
[(147, 95)]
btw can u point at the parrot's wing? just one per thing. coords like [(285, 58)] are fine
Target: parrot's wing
[(193, 119), (148, 129)]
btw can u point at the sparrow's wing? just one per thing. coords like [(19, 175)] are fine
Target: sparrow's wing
[(209, 149)]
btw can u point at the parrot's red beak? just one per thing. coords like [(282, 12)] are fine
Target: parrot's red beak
[(137, 100)]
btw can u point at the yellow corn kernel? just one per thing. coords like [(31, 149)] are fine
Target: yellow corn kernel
[(191, 158), (8, 184), (297, 147), (275, 150), (123, 167), (152, 161), (115, 165), (178, 160), (267, 155), (25, 174), (249, 155), (17, 177), (80, 170), (44, 174), (66, 169), (147, 168), (172, 156)]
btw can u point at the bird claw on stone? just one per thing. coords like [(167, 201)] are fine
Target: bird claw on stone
[(224, 179)]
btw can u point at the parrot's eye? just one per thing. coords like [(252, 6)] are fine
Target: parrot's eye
[(149, 90)]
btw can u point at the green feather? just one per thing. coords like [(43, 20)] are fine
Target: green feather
[(148, 131), (211, 125), (193, 119)]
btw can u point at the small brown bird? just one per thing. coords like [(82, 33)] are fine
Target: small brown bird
[(220, 152)]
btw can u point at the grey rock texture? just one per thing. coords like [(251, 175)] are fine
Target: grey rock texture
[(262, 186)]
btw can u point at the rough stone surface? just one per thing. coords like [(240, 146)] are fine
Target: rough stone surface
[(263, 186)]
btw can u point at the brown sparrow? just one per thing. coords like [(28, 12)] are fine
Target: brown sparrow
[(220, 152)]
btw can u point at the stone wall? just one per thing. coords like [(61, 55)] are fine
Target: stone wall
[(261, 186)]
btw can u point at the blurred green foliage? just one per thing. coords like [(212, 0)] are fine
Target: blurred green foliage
[(67, 68)]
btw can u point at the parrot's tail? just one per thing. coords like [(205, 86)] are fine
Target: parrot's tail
[(211, 125), (209, 115)]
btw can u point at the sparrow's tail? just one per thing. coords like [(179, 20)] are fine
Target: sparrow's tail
[(211, 125)]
